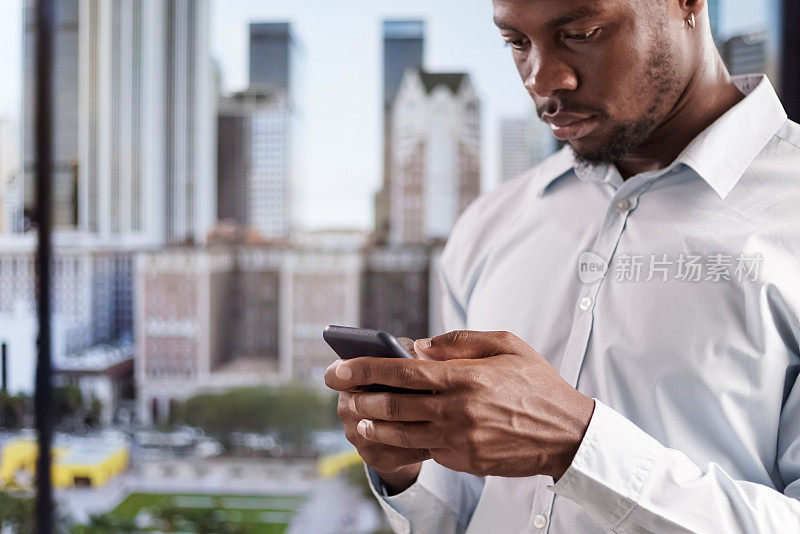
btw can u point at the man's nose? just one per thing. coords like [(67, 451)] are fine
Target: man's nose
[(547, 74)]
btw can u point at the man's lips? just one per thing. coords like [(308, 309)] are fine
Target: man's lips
[(570, 126)]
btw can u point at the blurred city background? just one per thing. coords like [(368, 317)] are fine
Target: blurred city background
[(229, 178)]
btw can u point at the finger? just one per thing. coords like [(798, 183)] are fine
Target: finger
[(406, 435), (333, 381), (396, 372), (466, 344), (395, 406), (408, 343)]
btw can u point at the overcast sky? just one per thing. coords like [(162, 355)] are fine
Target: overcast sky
[(338, 65)]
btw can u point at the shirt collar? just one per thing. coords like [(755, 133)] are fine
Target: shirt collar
[(740, 134)]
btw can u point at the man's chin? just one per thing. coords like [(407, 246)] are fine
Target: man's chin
[(590, 152)]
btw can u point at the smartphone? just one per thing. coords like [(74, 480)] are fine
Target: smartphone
[(349, 342)]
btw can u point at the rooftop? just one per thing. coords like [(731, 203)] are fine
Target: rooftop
[(451, 80)]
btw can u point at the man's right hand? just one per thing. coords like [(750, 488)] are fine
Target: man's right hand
[(398, 467)]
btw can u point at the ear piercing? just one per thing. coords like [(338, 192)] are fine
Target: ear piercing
[(691, 20)]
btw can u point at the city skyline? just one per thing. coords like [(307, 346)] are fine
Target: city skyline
[(350, 112)]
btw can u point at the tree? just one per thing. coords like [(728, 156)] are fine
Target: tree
[(17, 513), (67, 402), (14, 410), (292, 410)]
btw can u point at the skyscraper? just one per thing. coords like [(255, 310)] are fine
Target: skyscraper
[(403, 48), (135, 119), (270, 55), (435, 167), (253, 161)]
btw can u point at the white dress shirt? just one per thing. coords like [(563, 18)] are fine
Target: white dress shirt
[(672, 299)]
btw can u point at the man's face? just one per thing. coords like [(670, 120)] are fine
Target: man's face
[(604, 74)]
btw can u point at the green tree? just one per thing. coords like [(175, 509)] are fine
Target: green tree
[(17, 513), (67, 402), (14, 410), (293, 410)]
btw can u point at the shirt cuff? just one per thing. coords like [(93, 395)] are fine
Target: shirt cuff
[(610, 468), (398, 522)]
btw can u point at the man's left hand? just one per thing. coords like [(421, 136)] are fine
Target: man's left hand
[(498, 407)]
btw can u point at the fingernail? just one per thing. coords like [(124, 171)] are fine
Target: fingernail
[(344, 372), (351, 403), (364, 426), (424, 343)]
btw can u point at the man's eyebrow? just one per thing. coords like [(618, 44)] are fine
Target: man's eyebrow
[(504, 26), (578, 13), (583, 12)]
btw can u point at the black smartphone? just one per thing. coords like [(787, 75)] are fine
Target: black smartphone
[(349, 342)]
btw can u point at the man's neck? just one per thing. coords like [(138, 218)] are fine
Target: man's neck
[(707, 96)]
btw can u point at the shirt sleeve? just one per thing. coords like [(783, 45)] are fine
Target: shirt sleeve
[(629, 483), (441, 501)]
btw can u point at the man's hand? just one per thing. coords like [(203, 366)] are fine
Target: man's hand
[(498, 408), (398, 467)]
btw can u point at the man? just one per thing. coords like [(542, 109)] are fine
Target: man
[(662, 393)]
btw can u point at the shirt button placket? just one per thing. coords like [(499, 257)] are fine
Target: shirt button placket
[(605, 244), (623, 205)]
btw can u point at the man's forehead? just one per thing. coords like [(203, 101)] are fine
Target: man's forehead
[(551, 13)]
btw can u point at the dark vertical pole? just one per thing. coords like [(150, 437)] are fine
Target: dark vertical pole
[(4, 407), (790, 58), (45, 25), (4, 366)]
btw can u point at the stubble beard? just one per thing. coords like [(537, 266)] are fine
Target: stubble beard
[(661, 75)]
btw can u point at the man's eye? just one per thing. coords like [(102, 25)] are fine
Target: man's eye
[(519, 44), (582, 37)]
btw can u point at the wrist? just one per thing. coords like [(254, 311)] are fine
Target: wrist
[(579, 422), (398, 481)]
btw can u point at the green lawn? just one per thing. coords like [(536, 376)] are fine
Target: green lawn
[(254, 514)]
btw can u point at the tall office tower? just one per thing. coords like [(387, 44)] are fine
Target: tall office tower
[(270, 55), (253, 161), (746, 54), (403, 47), (189, 107), (524, 142), (435, 155), (135, 119), (65, 117)]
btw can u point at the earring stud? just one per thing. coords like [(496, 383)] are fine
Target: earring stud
[(691, 20)]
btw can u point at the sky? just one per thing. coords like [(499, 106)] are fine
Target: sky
[(337, 148)]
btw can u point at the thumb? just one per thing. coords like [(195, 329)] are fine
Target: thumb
[(466, 344)]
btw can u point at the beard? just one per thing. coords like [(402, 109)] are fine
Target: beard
[(661, 77)]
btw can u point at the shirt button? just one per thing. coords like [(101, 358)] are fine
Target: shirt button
[(586, 303), (622, 205), (539, 521)]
